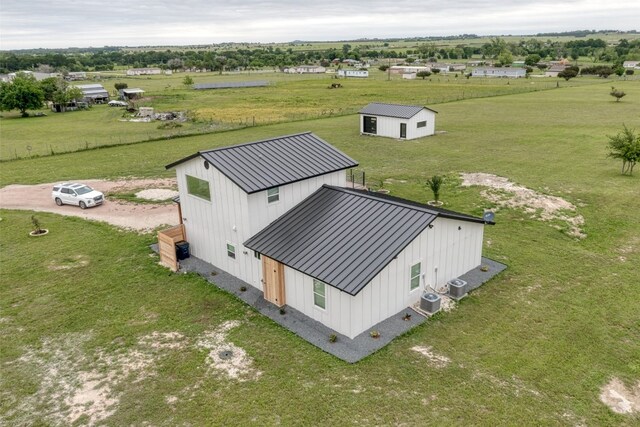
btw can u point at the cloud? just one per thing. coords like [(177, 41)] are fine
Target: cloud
[(40, 23)]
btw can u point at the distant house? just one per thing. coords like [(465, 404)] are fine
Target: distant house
[(143, 71), (35, 74), (276, 215), (631, 65), (94, 93), (353, 73), (305, 69), (554, 70), (397, 121), (512, 73), (404, 69), (76, 75), (457, 67), (131, 93), (446, 68), (518, 64)]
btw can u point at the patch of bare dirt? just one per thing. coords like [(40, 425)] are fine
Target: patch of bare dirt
[(620, 398), (514, 385), (164, 341), (79, 387), (447, 304), (131, 216), (156, 194), (544, 207), (68, 263), (435, 360), (68, 393), (226, 357)]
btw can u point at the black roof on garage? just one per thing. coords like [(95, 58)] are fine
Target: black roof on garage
[(393, 110)]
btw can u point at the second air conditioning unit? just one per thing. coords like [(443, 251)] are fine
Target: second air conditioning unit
[(457, 289)]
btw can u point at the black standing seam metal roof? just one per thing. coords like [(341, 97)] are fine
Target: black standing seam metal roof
[(445, 213), (393, 110), (342, 237), (261, 165)]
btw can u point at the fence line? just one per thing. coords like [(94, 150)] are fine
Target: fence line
[(246, 122)]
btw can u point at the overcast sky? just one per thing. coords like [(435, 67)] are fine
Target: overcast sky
[(65, 23)]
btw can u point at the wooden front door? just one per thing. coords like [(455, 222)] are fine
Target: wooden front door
[(273, 281)]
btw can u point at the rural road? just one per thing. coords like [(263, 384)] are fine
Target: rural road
[(139, 217)]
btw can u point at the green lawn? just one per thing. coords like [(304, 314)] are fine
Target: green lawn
[(532, 347)]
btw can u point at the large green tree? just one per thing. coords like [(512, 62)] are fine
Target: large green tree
[(625, 145), (49, 86), (66, 94), (22, 93)]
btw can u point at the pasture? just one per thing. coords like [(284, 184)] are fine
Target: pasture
[(99, 333), (288, 98)]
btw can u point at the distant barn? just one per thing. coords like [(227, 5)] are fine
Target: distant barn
[(229, 85), (397, 121), (94, 93)]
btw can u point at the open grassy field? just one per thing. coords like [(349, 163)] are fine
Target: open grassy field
[(87, 307), (288, 98)]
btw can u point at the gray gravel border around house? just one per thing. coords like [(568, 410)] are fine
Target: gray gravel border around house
[(314, 332)]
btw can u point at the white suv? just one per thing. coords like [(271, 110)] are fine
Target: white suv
[(76, 194)]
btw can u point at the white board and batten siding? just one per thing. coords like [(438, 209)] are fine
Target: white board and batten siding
[(390, 126), (211, 224), (445, 252), (264, 213), (232, 216), (299, 294)]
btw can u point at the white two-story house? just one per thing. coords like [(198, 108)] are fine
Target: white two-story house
[(276, 214)]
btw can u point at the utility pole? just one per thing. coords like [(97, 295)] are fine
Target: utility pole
[(389, 70)]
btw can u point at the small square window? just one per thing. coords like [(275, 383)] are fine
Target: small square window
[(231, 251), (422, 124), (415, 276), (198, 187), (273, 195), (319, 294), (256, 254)]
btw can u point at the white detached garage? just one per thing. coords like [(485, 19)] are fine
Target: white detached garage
[(397, 121)]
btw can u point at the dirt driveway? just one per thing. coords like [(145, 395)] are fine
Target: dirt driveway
[(140, 217)]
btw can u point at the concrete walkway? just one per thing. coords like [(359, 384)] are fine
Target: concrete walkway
[(314, 332)]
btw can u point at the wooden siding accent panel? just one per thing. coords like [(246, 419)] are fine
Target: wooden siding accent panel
[(167, 240)]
